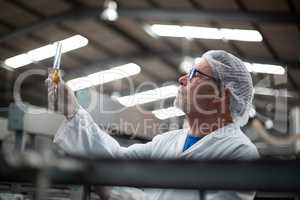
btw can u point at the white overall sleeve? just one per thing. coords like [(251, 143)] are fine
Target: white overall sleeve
[(82, 136)]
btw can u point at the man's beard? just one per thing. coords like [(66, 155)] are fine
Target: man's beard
[(180, 102)]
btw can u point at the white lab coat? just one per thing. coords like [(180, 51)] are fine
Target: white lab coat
[(81, 135)]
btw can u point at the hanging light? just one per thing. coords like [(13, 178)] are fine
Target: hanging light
[(110, 11)]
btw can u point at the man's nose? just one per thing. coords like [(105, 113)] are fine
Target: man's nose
[(183, 80)]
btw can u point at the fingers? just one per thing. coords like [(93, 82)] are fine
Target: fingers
[(61, 98), (47, 81), (53, 86), (50, 85), (51, 99), (60, 86)]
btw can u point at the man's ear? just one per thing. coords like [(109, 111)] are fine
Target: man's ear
[(227, 95), (218, 98), (227, 92), (223, 94), (223, 101)]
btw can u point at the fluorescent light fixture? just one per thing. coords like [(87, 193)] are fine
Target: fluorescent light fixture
[(265, 68), (149, 96), (105, 76), (258, 68), (45, 52), (115, 73), (201, 32), (241, 35), (204, 32), (168, 113), (276, 92)]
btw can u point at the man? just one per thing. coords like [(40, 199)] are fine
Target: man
[(216, 96)]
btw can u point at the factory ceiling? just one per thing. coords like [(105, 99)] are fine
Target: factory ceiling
[(26, 25)]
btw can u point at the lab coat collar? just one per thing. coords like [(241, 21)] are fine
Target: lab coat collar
[(226, 131)]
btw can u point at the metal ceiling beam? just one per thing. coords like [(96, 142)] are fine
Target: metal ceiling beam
[(164, 40), (127, 36), (293, 10), (7, 45), (194, 15), (232, 45), (95, 44), (153, 3), (137, 42), (140, 44), (162, 14), (265, 41), (77, 4)]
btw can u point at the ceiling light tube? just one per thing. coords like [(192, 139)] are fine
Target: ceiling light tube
[(105, 76), (265, 68), (251, 67), (47, 51), (149, 96), (204, 32)]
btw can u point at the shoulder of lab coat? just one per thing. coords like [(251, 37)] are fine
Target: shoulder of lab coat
[(234, 144)]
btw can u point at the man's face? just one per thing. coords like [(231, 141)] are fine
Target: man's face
[(194, 96)]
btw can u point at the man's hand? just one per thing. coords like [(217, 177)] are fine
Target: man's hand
[(62, 99)]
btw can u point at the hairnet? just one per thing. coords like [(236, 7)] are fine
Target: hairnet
[(233, 74)]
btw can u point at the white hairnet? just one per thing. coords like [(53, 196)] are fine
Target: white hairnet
[(233, 74)]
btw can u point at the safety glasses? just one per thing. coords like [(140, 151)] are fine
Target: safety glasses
[(195, 72)]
